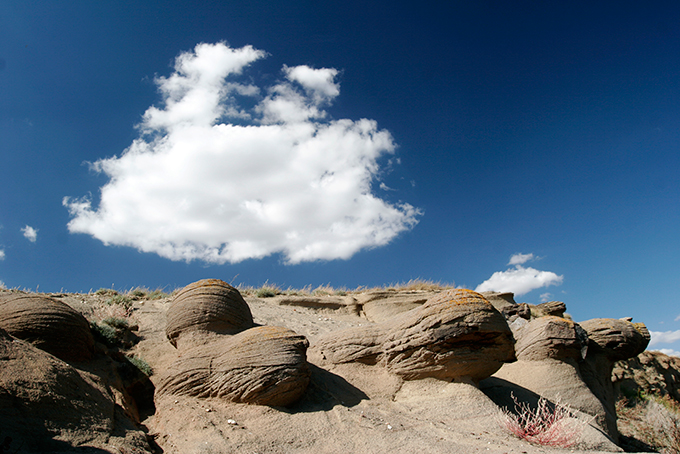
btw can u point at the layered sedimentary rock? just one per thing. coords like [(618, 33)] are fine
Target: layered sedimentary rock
[(48, 324), (208, 305), (560, 359), (548, 351), (550, 337), (455, 334), (264, 365)]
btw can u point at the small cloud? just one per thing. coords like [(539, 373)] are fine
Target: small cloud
[(669, 352), (519, 280), (664, 337), (545, 297), (2, 254), (677, 318), (30, 233), (519, 259)]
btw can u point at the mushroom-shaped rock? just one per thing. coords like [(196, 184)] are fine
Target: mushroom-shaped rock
[(617, 339), (48, 324), (549, 337), (265, 365), (455, 334), (208, 305), (611, 340)]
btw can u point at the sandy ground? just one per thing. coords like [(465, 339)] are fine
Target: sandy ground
[(351, 408)]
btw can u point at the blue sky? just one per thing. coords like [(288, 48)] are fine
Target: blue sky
[(529, 146)]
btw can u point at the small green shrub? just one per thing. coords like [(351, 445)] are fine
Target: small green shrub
[(157, 294), (117, 322), (141, 364), (138, 292), (120, 300), (106, 291), (106, 334), (265, 292)]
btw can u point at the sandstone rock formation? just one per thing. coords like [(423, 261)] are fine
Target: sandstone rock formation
[(263, 365), (550, 337), (46, 405), (379, 306), (572, 362), (455, 334), (48, 324), (208, 305), (611, 340)]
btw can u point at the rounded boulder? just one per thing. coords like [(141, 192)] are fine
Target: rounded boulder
[(48, 324), (209, 305)]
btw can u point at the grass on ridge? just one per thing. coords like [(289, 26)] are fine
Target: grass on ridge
[(268, 290)]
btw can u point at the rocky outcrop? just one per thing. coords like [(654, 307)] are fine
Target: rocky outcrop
[(611, 340), (556, 308), (616, 339), (500, 300), (208, 305), (48, 324), (46, 405), (550, 337), (378, 306), (560, 359), (455, 334), (263, 365), (650, 373)]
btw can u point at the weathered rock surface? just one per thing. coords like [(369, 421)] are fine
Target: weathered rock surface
[(560, 359), (556, 308), (611, 340), (208, 305), (617, 339), (500, 300), (380, 306), (265, 365), (455, 334), (46, 405), (649, 372), (48, 324), (549, 337)]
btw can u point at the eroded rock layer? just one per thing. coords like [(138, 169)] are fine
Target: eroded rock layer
[(48, 324), (207, 305), (455, 334)]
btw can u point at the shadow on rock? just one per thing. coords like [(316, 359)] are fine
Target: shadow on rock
[(325, 391)]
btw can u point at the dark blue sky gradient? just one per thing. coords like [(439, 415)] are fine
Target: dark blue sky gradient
[(549, 128)]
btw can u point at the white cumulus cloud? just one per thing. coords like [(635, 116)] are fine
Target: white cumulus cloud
[(664, 337), (226, 171), (519, 280), (2, 254), (30, 233)]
